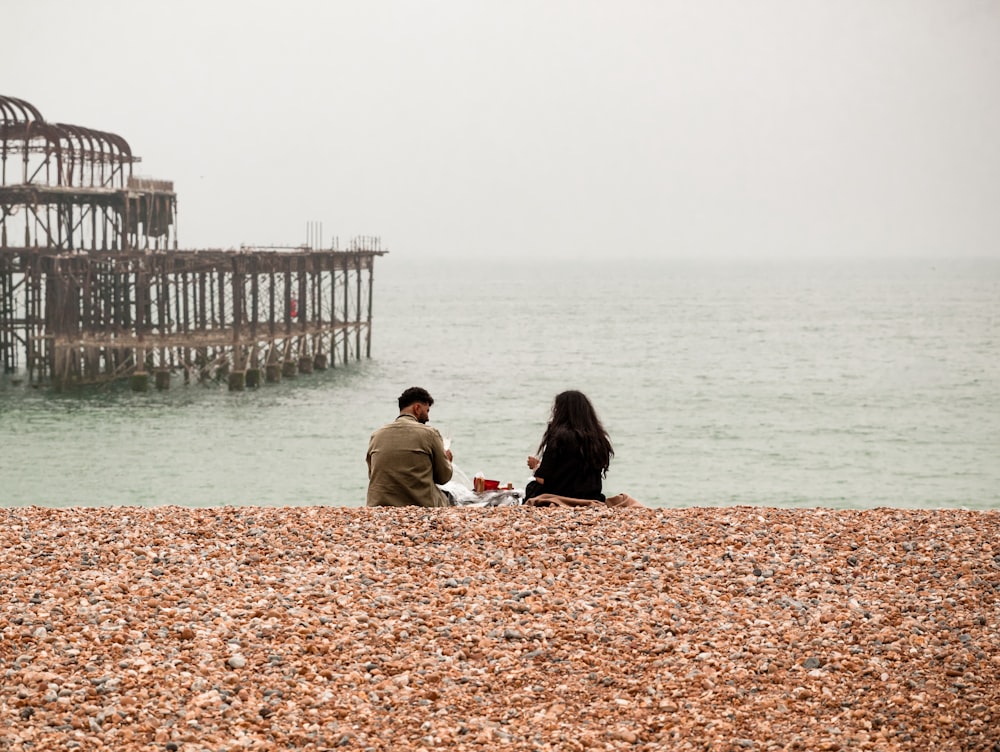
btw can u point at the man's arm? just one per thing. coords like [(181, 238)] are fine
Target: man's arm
[(440, 458)]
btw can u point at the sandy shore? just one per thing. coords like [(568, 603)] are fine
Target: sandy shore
[(513, 628)]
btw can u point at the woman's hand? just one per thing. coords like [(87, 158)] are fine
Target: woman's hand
[(533, 462)]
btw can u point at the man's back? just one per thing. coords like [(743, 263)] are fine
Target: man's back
[(406, 459)]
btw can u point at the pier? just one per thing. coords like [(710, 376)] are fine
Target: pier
[(93, 286)]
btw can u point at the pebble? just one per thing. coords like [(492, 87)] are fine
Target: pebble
[(511, 627)]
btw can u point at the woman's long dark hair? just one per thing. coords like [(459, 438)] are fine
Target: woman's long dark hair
[(574, 423)]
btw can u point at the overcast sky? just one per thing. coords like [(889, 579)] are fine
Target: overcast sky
[(543, 127)]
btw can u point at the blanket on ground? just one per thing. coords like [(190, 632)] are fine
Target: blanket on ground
[(552, 500)]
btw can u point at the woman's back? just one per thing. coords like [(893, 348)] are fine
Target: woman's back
[(576, 451), (565, 472)]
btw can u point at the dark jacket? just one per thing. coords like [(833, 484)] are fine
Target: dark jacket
[(566, 474)]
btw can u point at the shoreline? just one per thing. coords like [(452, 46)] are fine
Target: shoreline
[(193, 628)]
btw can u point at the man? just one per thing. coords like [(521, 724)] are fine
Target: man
[(407, 458)]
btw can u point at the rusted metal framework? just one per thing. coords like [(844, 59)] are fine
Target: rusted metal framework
[(94, 289), (71, 188)]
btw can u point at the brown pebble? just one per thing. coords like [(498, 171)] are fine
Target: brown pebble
[(515, 628)]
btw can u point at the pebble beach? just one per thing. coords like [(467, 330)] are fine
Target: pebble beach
[(517, 628)]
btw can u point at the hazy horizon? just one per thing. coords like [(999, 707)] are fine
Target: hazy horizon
[(768, 129)]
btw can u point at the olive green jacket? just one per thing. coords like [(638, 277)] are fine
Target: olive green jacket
[(406, 460)]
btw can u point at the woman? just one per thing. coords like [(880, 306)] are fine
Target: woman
[(575, 451)]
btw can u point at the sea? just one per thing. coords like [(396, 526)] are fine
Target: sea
[(836, 383)]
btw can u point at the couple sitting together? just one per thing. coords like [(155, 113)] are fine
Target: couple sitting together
[(408, 461)]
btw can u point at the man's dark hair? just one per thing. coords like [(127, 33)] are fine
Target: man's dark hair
[(413, 395)]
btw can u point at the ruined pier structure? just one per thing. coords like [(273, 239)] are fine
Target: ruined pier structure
[(93, 287)]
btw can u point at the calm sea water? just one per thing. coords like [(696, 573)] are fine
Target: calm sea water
[(834, 383)]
